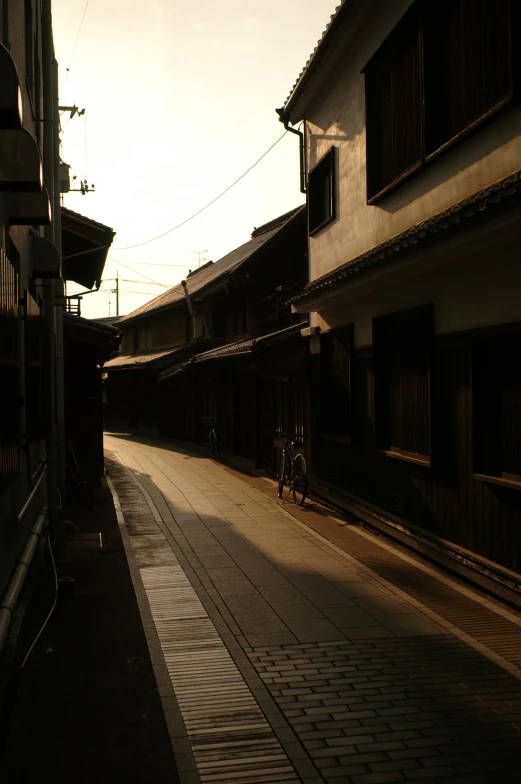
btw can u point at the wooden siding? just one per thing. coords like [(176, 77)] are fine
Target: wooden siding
[(444, 498)]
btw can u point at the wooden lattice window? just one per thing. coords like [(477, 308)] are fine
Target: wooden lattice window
[(335, 382), (321, 192), (444, 69), (394, 106), (468, 65), (496, 403), (402, 359)]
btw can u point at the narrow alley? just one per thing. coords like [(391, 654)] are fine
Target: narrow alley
[(291, 646)]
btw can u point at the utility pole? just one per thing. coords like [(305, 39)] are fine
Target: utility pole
[(56, 522)]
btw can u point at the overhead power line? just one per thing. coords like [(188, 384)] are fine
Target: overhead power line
[(78, 34), (137, 272), (156, 264), (169, 231), (142, 282)]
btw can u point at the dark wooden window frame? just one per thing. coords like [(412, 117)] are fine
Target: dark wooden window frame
[(325, 168), (427, 311), (346, 334), (501, 478), (427, 157)]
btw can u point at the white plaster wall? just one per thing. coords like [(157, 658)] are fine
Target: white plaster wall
[(334, 108), (474, 292)]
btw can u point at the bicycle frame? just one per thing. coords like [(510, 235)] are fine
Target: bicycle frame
[(213, 441)]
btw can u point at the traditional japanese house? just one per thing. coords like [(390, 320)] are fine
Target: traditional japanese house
[(411, 155), (32, 392), (223, 311), (88, 343)]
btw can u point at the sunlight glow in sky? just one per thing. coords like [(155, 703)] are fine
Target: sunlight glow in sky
[(180, 100)]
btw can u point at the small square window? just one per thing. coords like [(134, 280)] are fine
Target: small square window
[(321, 192)]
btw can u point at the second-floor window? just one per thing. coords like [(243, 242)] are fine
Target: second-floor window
[(445, 68), (321, 192)]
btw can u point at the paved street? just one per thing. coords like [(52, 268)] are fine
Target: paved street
[(281, 657)]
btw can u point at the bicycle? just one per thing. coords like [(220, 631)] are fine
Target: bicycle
[(75, 479), (293, 471), (213, 441)]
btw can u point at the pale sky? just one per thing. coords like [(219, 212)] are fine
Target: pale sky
[(180, 100)]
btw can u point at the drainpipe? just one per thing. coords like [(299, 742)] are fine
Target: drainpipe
[(59, 290), (56, 525), (14, 588), (284, 119), (191, 311)]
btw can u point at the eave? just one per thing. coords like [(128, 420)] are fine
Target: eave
[(486, 202)]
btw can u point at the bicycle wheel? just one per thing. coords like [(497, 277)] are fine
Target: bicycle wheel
[(300, 480), (214, 444), (282, 473)]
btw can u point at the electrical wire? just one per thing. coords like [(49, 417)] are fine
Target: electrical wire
[(146, 242), (144, 293), (78, 34), (127, 280), (157, 264), (139, 273), (53, 604)]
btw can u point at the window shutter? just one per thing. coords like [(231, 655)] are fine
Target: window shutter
[(468, 65), (321, 200), (496, 400), (510, 402), (415, 351), (387, 339), (394, 106), (402, 358), (335, 355)]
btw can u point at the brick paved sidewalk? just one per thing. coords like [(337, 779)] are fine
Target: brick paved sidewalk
[(285, 658)]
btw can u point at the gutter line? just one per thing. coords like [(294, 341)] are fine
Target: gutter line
[(284, 119)]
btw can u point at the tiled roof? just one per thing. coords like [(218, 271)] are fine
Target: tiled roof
[(91, 331), (108, 320), (333, 21), (233, 349), (241, 347), (483, 201), (93, 325), (138, 359), (210, 273), (156, 357)]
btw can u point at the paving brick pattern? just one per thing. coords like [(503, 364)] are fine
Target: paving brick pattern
[(489, 628), (366, 684), (410, 709)]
